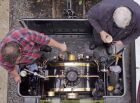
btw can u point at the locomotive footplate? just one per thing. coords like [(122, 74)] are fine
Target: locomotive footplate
[(77, 73)]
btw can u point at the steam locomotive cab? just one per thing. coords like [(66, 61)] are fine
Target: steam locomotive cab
[(74, 74)]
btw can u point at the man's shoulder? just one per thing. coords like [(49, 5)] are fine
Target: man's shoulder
[(103, 7), (14, 35), (17, 33), (21, 29)]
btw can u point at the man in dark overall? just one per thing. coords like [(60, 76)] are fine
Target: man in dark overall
[(117, 19), (23, 46)]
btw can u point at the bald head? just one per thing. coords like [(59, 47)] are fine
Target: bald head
[(10, 51), (122, 17)]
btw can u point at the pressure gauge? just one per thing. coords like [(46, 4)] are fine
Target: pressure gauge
[(23, 73)]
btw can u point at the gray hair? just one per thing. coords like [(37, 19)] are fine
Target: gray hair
[(122, 17)]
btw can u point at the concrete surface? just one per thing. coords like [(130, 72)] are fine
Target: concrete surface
[(3, 85), (4, 28), (4, 17)]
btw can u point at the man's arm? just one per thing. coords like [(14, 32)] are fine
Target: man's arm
[(15, 74), (45, 40), (94, 14), (131, 38), (127, 40), (54, 43), (11, 69), (99, 12)]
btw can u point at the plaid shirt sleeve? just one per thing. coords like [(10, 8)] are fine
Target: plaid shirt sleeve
[(9, 67), (37, 37)]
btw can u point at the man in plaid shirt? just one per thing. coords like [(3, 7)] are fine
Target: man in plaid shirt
[(22, 46)]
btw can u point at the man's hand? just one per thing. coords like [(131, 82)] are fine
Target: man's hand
[(106, 38), (119, 42), (63, 47), (17, 79), (15, 75)]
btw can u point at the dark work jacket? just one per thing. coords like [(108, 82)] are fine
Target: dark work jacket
[(100, 17)]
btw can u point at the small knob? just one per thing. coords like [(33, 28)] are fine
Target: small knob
[(110, 88), (87, 57)]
